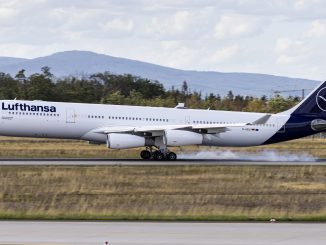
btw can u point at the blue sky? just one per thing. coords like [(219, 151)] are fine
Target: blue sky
[(280, 37)]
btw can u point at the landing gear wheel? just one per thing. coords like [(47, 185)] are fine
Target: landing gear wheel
[(145, 154), (159, 156), (171, 156)]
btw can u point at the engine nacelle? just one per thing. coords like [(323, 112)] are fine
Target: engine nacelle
[(180, 137), (124, 141)]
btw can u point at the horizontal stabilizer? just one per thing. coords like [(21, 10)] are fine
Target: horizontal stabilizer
[(261, 120)]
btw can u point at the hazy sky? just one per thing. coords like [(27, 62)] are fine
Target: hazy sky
[(281, 37)]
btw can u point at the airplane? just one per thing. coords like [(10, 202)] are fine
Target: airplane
[(158, 128)]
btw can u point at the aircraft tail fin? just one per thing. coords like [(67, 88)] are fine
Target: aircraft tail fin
[(314, 103)]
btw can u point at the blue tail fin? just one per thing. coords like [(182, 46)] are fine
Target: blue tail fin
[(306, 118), (314, 104)]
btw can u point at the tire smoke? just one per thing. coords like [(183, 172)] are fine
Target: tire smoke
[(264, 156)]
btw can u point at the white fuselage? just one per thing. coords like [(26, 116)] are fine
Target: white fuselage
[(80, 121)]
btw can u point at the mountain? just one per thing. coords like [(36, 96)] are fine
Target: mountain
[(86, 63), (4, 61)]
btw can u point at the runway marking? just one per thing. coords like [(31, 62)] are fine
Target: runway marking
[(136, 162)]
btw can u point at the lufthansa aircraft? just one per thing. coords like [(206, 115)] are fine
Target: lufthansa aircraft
[(157, 128)]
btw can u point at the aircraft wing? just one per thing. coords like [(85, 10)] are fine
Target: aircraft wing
[(114, 129), (205, 128), (158, 130), (216, 128), (141, 129)]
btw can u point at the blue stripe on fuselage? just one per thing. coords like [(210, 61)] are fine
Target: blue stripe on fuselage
[(297, 126)]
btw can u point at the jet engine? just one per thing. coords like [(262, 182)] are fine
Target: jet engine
[(124, 141), (181, 137)]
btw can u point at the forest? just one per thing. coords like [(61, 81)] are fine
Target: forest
[(107, 88)]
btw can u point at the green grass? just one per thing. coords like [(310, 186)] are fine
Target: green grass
[(210, 193), (219, 193)]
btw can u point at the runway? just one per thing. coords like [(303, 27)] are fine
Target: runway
[(152, 233), (139, 162)]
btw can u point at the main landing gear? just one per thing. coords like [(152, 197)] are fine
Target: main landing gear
[(158, 155)]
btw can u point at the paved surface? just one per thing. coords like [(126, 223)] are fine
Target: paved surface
[(141, 162), (148, 233)]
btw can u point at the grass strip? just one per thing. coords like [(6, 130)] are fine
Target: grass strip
[(13, 147), (168, 193)]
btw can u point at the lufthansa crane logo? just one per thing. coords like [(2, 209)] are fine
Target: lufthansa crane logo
[(321, 99)]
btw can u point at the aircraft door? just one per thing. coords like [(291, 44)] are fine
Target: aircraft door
[(70, 115), (281, 126), (187, 120)]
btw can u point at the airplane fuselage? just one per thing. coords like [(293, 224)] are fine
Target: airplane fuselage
[(79, 121), (158, 128)]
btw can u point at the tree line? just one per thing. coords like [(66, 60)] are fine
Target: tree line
[(126, 89)]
